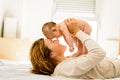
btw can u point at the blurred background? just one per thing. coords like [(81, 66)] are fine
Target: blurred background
[(24, 18)]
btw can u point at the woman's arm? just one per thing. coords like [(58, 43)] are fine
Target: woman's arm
[(94, 56), (84, 63)]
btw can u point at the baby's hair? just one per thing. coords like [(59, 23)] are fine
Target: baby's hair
[(46, 29)]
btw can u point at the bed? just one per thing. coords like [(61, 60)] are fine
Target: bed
[(14, 70), (14, 63)]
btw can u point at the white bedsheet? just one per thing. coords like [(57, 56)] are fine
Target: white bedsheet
[(11, 70)]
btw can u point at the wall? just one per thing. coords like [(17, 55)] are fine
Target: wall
[(110, 19), (13, 8), (30, 15), (109, 27), (1, 16), (35, 14)]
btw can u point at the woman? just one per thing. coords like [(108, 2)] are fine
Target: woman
[(47, 58)]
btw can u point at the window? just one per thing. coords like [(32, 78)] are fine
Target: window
[(83, 9), (74, 8)]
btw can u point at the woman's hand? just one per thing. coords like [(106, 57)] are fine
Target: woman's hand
[(72, 25)]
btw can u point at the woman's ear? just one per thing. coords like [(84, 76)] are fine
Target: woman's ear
[(52, 55)]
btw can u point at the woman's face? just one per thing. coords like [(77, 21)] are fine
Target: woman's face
[(55, 46)]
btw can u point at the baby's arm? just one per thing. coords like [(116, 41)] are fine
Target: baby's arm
[(67, 35)]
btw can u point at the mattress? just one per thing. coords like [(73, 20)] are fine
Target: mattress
[(14, 70)]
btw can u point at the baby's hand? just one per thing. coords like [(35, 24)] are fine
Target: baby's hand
[(71, 49)]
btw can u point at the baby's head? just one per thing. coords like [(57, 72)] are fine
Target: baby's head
[(51, 30)]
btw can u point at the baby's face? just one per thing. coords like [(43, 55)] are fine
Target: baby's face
[(54, 34), (52, 37), (49, 35), (57, 34)]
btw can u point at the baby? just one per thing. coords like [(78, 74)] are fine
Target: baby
[(53, 30)]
